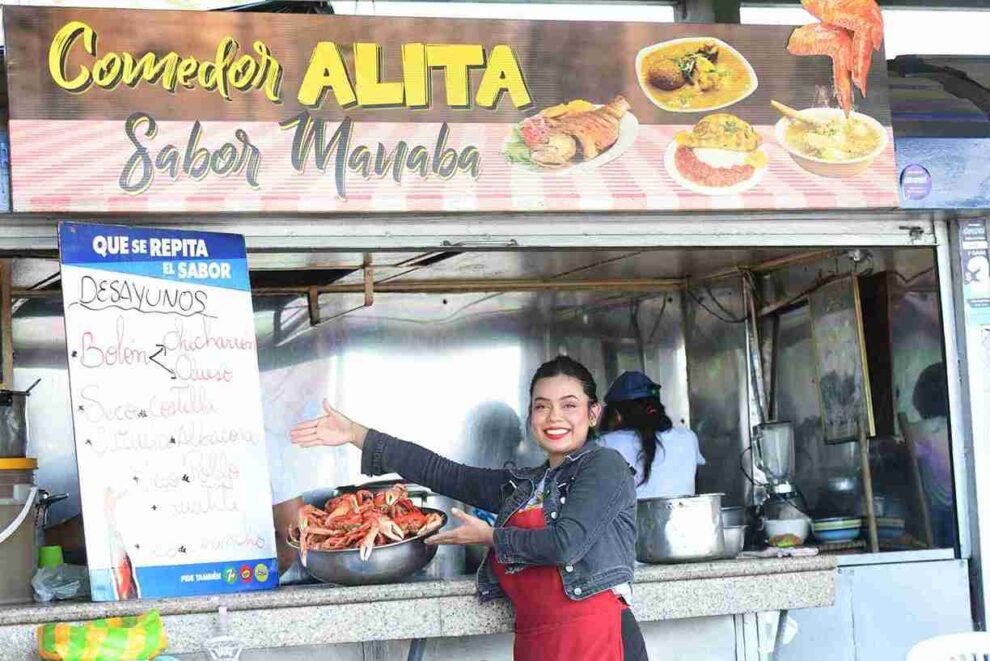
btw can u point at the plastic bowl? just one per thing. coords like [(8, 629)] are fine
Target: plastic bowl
[(837, 529), (779, 530), (836, 536)]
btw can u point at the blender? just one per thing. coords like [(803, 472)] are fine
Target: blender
[(774, 456)]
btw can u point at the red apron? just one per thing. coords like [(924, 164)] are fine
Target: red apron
[(551, 627)]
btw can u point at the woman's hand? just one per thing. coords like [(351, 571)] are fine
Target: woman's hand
[(332, 429), (471, 531)]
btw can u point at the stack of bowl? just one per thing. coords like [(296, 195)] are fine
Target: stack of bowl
[(835, 530), (890, 527)]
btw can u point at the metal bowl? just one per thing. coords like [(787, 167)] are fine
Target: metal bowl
[(735, 540), (733, 516), (389, 563)]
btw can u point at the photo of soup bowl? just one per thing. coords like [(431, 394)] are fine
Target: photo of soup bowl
[(873, 131)]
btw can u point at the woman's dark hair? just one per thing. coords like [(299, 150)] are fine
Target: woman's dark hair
[(930, 395), (565, 366), (648, 418)]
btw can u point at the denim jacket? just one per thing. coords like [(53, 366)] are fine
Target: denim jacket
[(589, 507)]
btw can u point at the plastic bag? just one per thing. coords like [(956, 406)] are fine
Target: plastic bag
[(61, 582), (111, 639)]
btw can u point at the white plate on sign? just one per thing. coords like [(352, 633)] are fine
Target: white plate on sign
[(643, 85), (741, 187), (628, 128)]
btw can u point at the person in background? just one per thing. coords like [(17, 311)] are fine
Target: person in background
[(564, 541), (931, 440), (666, 458)]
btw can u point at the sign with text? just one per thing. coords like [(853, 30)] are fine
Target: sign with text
[(166, 409), (975, 269), (123, 110)]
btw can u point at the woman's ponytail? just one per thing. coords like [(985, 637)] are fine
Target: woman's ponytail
[(648, 418)]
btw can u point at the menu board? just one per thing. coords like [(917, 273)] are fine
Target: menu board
[(166, 409), (179, 111)]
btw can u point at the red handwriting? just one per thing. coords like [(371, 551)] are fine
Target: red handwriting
[(179, 340), (177, 401), (186, 369), (118, 352)]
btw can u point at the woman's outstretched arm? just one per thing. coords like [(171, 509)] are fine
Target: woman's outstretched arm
[(381, 453)]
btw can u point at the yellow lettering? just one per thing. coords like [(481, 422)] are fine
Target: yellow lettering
[(325, 71), (106, 71), (185, 75), (207, 76), (371, 91), (225, 54), (415, 75), (58, 54), (270, 72), (168, 70), (243, 72), (151, 68), (503, 74), (455, 60)]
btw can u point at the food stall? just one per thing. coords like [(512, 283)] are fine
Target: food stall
[(390, 298)]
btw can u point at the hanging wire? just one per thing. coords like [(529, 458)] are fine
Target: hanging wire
[(726, 316), (656, 324), (907, 281), (742, 466)]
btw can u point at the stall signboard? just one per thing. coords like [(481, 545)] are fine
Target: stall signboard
[(166, 410), (131, 111)]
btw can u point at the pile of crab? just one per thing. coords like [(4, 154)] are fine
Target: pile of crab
[(361, 520)]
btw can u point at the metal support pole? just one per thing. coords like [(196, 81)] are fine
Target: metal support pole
[(417, 647)]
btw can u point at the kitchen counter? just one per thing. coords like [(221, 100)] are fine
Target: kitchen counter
[(312, 615)]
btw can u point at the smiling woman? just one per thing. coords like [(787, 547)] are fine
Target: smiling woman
[(569, 523)]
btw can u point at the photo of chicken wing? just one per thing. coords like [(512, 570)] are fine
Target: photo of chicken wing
[(849, 32), (820, 39), (863, 19)]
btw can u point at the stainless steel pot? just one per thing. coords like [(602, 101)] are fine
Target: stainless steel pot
[(389, 563), (13, 422), (680, 529)]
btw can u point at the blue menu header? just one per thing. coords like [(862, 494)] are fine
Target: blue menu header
[(195, 258)]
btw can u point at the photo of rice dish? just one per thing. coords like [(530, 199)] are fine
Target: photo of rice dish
[(720, 155)]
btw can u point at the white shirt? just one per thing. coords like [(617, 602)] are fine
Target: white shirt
[(674, 466)]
